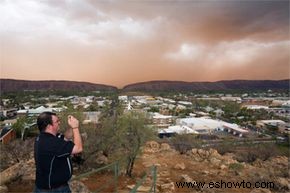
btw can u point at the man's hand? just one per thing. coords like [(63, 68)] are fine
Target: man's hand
[(72, 122)]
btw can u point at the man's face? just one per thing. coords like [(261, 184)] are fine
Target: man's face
[(55, 122)]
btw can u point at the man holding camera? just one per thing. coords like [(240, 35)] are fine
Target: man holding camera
[(52, 153)]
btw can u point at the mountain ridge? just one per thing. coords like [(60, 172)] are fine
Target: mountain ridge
[(10, 85), (218, 85)]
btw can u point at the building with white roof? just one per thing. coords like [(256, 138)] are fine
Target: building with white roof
[(186, 103), (176, 129), (230, 98), (39, 110), (202, 125), (255, 107)]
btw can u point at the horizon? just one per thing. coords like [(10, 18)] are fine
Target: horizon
[(127, 42)]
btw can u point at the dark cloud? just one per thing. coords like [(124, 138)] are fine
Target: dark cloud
[(120, 42)]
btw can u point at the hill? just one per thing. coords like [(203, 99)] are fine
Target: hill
[(11, 85), (207, 86), (201, 167)]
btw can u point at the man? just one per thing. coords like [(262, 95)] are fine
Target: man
[(52, 153)]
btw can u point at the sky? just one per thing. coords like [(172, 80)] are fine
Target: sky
[(124, 42)]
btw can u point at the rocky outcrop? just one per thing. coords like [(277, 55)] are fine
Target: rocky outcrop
[(211, 156)]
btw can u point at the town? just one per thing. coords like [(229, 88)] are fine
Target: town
[(254, 126), (246, 115)]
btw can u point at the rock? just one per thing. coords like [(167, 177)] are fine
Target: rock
[(260, 190), (180, 166), (157, 165), (151, 147), (194, 151), (140, 188), (223, 167), (282, 183), (186, 178), (169, 187), (164, 173), (143, 188), (101, 159), (205, 172), (228, 160), (130, 186), (12, 173), (165, 165), (215, 161), (3, 189), (214, 153), (165, 147), (77, 186), (201, 152)]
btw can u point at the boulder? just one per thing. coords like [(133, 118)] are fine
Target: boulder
[(194, 151), (165, 147), (151, 147), (179, 166), (214, 154), (214, 161)]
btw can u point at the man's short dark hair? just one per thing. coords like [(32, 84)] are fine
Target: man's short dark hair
[(44, 119)]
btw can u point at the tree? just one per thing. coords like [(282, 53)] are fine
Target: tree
[(132, 133), (23, 124)]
